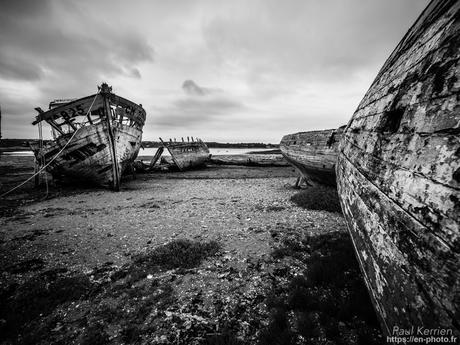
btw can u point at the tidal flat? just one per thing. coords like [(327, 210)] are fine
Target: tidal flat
[(221, 255)]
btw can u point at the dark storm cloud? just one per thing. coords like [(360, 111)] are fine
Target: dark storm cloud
[(23, 8), (290, 65), (193, 89), (17, 69), (309, 40), (12, 107), (47, 32), (198, 106), (188, 111), (64, 49)]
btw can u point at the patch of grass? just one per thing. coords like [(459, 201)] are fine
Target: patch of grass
[(38, 297), (126, 301), (327, 300), (307, 324), (278, 331), (274, 208), (226, 337), (180, 253), (34, 264), (95, 335), (321, 198), (129, 300)]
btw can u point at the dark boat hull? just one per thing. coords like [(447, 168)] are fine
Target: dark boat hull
[(313, 154), (188, 155), (96, 137), (88, 157), (398, 176)]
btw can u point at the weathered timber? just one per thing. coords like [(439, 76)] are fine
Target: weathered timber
[(313, 154), (398, 176), (97, 138), (188, 154), (249, 160), (157, 156)]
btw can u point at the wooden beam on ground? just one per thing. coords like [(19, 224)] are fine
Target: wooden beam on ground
[(157, 156)]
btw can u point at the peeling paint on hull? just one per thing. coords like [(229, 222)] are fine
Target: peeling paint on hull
[(187, 155), (82, 160), (398, 177), (96, 137), (313, 154)]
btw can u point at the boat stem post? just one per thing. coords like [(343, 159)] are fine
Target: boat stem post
[(105, 92)]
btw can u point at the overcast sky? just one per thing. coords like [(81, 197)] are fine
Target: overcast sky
[(229, 71)]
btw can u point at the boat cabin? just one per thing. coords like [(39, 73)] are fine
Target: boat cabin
[(65, 116)]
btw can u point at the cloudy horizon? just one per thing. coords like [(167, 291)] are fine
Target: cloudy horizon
[(239, 71)]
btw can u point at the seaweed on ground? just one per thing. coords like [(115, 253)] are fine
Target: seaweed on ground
[(123, 298), (318, 197), (324, 303)]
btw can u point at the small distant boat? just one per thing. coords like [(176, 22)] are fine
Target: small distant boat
[(398, 176), (95, 138), (313, 154), (184, 154)]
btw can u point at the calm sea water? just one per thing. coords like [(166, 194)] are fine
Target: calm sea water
[(213, 151), (150, 151)]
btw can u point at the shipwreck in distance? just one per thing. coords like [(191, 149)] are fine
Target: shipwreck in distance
[(313, 154), (185, 154)]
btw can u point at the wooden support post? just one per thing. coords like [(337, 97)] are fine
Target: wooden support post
[(133, 171), (157, 156), (37, 176), (172, 155), (298, 182), (105, 92)]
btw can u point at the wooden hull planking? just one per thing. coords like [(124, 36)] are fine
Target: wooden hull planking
[(313, 154), (98, 136), (88, 156), (187, 155), (398, 176)]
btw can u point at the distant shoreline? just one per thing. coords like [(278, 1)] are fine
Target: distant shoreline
[(7, 145)]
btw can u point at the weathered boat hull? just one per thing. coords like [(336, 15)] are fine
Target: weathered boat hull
[(188, 155), (313, 154), (88, 156), (398, 176), (96, 137)]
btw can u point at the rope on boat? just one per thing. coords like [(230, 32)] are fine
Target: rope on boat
[(57, 154)]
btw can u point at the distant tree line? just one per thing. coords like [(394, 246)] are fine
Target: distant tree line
[(211, 144)]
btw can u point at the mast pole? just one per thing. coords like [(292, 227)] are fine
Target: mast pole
[(105, 92)]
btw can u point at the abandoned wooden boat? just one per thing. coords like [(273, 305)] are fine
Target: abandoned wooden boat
[(398, 177), (313, 154), (184, 154), (95, 137)]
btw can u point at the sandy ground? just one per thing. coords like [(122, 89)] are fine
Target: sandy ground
[(89, 228), (96, 234)]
